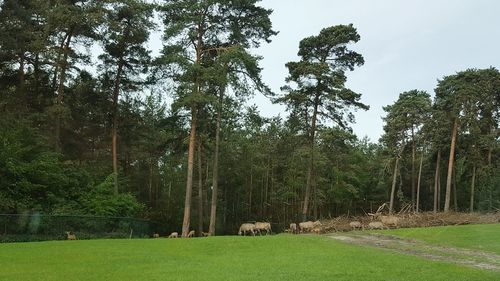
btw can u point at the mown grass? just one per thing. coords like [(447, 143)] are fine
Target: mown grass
[(485, 237), (281, 257)]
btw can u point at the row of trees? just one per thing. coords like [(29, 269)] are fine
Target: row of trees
[(462, 122), (102, 140)]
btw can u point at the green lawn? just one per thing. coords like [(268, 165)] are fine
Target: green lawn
[(485, 237), (280, 257)]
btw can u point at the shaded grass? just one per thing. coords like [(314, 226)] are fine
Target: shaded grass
[(484, 237), (281, 257)]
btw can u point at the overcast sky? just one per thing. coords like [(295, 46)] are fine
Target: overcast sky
[(406, 45)]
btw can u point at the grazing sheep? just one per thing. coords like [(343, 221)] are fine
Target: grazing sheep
[(356, 225), (306, 226), (247, 227), (156, 235), (293, 228), (390, 220), (190, 234), (173, 235), (205, 234), (263, 226), (70, 236), (309, 225), (376, 225)]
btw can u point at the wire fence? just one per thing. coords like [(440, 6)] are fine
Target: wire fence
[(41, 227)]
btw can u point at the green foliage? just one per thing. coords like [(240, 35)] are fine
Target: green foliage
[(33, 177), (101, 201), (207, 62), (406, 117), (320, 75)]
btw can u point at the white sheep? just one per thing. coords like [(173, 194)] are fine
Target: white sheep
[(190, 234), (293, 228), (309, 225), (247, 227), (263, 226), (173, 235), (70, 236)]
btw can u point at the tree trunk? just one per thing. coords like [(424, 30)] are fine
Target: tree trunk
[(266, 188), (36, 76), (436, 183), (250, 189), (418, 182), (21, 73), (60, 88), (450, 166), (189, 181), (472, 186), (393, 188), (490, 187), (114, 131), (150, 182), (200, 191), (56, 67), (215, 179), (311, 159), (454, 193), (413, 168), (439, 190)]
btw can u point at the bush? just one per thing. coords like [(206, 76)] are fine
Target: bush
[(101, 201)]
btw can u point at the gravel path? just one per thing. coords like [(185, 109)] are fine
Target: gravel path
[(473, 258)]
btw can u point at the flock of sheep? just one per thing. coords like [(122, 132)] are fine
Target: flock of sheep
[(383, 222), (303, 227), (317, 226), (252, 228), (191, 233)]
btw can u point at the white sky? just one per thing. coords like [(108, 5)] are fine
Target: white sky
[(406, 45)]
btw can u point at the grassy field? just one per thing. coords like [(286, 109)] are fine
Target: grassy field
[(484, 237), (280, 257)]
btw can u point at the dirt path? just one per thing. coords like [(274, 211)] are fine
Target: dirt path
[(474, 258)]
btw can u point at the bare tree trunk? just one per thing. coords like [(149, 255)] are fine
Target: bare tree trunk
[(413, 168), (393, 188), (114, 130), (250, 190), (189, 181), (472, 186), (200, 190), (311, 159), (490, 189), (418, 182), (450, 166), (215, 179), (266, 188), (21, 72), (439, 190), (36, 74), (454, 193), (60, 88), (56, 67), (436, 183), (150, 183)]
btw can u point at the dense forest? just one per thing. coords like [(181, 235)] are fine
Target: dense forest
[(92, 124)]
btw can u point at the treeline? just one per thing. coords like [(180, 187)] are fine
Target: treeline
[(80, 136)]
